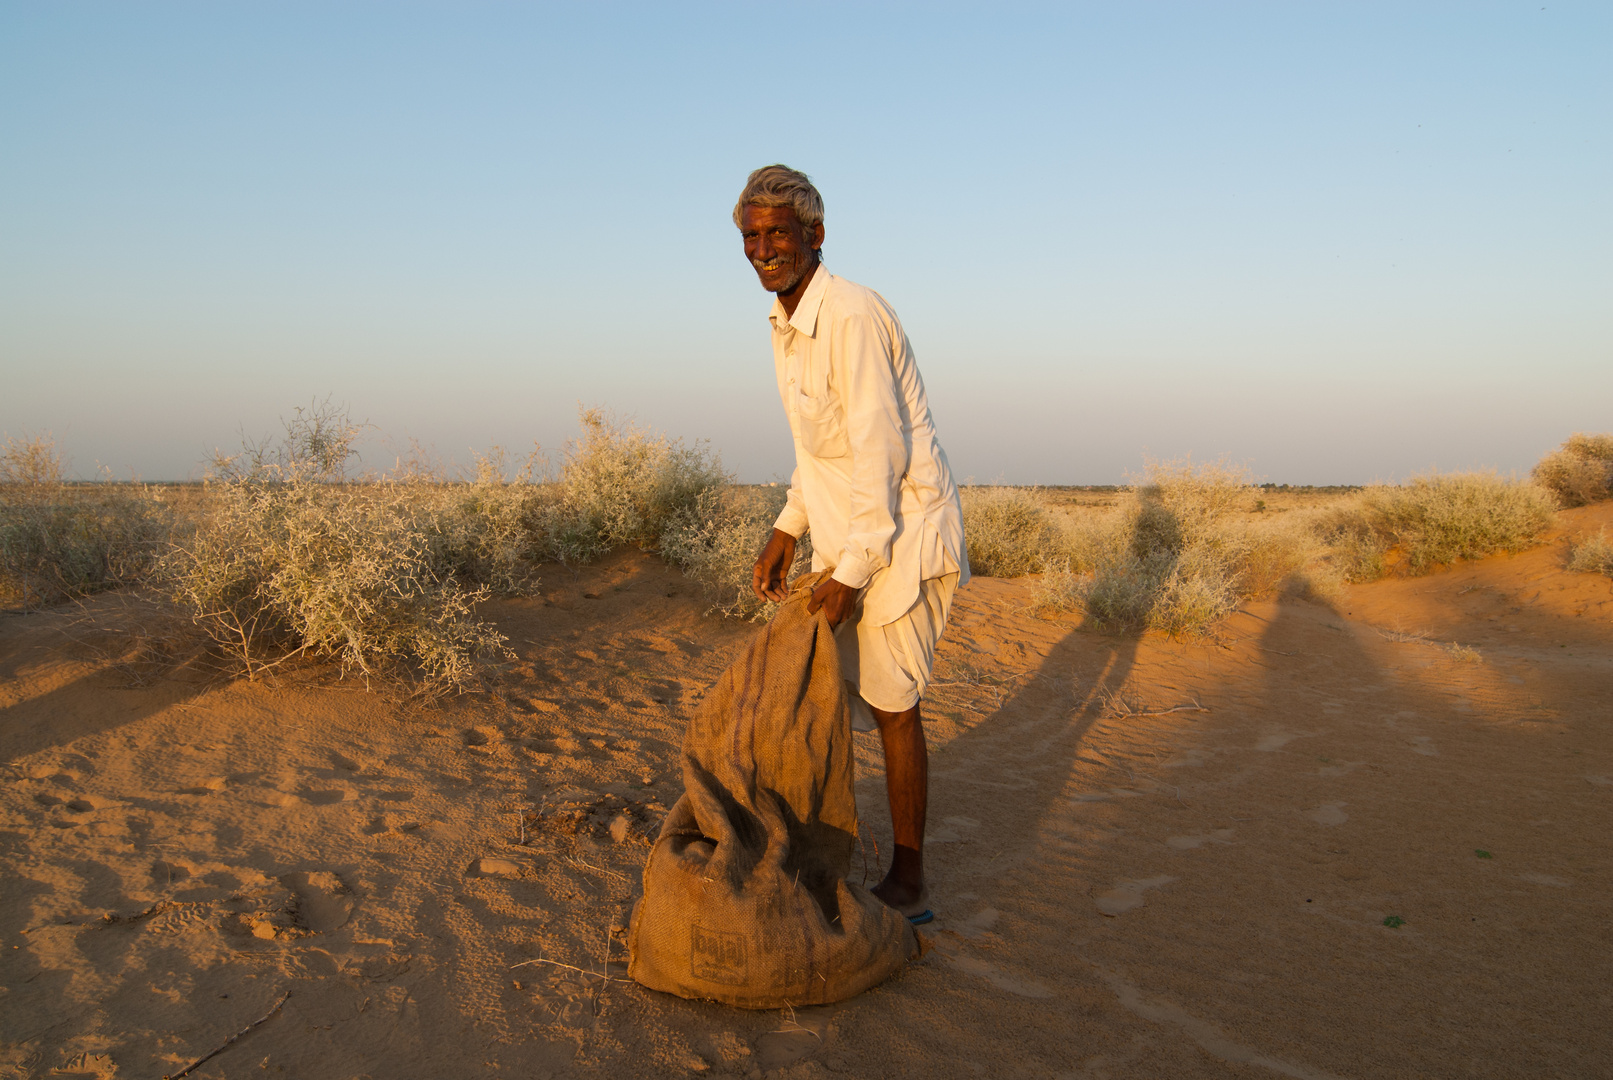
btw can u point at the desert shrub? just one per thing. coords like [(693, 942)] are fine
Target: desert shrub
[(31, 467), (1357, 549), (1009, 531), (60, 540), (715, 541), (1179, 556), (291, 560), (1580, 471), (1434, 520), (1593, 555), (620, 484), (481, 529)]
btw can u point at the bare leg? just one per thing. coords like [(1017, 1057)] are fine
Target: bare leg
[(907, 781)]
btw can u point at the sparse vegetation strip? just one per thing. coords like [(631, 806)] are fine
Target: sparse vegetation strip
[(1434, 520), (62, 541), (286, 554), (1179, 555)]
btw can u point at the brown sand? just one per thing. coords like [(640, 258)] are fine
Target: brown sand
[(1198, 892)]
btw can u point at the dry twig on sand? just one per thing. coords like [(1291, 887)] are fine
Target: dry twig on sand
[(568, 967), (794, 1024), (1116, 707), (611, 875), (227, 1043)]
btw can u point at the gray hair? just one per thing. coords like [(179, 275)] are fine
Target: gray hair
[(780, 185)]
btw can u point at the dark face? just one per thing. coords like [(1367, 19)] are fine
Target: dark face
[(782, 250)]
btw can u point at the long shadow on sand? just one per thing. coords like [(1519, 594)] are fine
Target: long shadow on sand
[(1019, 757), (97, 697)]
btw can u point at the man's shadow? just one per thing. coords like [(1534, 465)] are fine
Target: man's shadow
[(1021, 755)]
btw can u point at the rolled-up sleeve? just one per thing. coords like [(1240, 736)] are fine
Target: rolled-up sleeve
[(862, 348), (793, 518)]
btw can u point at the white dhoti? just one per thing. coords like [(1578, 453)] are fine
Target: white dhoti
[(888, 667)]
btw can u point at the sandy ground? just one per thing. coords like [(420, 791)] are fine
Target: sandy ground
[(1148, 858)]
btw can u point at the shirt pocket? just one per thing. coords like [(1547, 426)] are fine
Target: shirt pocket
[(823, 433)]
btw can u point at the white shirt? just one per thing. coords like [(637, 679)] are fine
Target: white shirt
[(871, 480)]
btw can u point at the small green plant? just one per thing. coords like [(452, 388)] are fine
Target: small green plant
[(1593, 555), (1481, 853), (1580, 471), (1394, 922)]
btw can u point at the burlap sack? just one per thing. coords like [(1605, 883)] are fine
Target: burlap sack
[(745, 898)]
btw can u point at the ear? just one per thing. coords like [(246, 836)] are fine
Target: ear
[(817, 236)]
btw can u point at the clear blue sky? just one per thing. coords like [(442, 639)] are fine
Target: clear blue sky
[(1341, 242)]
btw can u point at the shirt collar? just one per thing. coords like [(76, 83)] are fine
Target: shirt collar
[(805, 318)]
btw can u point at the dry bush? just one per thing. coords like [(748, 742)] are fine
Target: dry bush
[(1593, 555), (1008, 530), (31, 467), (1434, 520), (60, 540), (716, 540), (620, 484), (1580, 471), (481, 529), (291, 560), (1012, 531), (1180, 556), (1357, 551), (294, 559)]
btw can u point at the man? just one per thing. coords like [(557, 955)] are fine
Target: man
[(872, 485)]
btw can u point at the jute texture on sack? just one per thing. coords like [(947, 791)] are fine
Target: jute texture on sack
[(745, 892)]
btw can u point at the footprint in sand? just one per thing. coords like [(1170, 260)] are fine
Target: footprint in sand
[(1188, 843), (1023, 987), (326, 797), (1329, 814), (806, 1032), (1342, 768), (167, 872), (1276, 740), (1546, 879), (323, 901), (978, 923), (1127, 895)]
